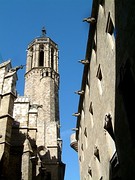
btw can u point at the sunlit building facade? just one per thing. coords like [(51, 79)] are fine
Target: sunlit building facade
[(104, 134)]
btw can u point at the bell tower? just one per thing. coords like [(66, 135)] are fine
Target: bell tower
[(42, 89)]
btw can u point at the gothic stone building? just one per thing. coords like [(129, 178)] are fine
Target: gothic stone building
[(105, 129), (30, 143)]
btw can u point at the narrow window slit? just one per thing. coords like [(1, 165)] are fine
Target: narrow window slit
[(99, 73), (91, 108)]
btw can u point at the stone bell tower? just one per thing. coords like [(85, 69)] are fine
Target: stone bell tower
[(41, 87), (30, 143)]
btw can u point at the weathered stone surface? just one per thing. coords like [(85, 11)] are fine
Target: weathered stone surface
[(7, 92), (105, 135), (34, 132)]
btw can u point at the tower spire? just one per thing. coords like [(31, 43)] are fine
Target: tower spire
[(43, 32)]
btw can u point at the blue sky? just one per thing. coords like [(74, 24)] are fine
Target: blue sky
[(20, 22)]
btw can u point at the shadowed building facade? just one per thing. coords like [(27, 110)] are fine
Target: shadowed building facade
[(105, 136), (34, 141)]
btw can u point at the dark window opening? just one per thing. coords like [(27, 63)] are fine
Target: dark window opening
[(96, 153), (47, 73), (52, 58), (90, 171), (82, 147), (99, 73), (85, 132), (127, 87), (31, 50), (110, 27), (108, 125), (41, 58), (91, 108)]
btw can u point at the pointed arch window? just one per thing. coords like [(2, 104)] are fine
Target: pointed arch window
[(52, 58), (31, 57), (41, 56)]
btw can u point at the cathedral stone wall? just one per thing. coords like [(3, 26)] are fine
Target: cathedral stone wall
[(7, 97), (30, 143)]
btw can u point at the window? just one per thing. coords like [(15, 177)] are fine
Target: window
[(82, 152), (52, 58), (85, 132), (99, 73), (46, 73), (82, 147), (41, 58), (91, 108), (108, 125), (31, 54), (110, 26), (96, 153), (99, 76), (91, 114), (111, 31), (90, 171), (41, 55), (85, 135)]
